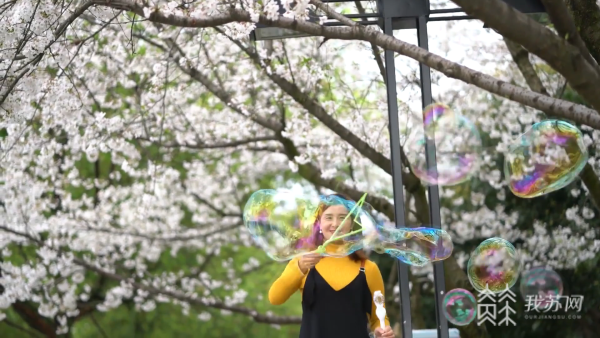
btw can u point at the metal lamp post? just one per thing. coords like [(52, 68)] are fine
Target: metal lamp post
[(397, 15)]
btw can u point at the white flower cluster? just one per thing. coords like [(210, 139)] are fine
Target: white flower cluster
[(125, 144)]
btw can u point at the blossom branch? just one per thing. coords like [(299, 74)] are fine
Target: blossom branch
[(217, 145), (257, 317), (409, 180), (180, 237), (374, 49), (191, 299), (560, 108), (539, 40)]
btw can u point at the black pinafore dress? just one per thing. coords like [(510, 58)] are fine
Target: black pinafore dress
[(327, 313)]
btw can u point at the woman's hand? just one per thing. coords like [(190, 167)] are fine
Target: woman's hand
[(384, 333), (307, 262)]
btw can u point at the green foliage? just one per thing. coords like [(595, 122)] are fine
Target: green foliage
[(167, 320)]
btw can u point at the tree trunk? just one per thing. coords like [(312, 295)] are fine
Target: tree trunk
[(587, 19)]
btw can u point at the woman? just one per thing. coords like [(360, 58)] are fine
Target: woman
[(337, 292)]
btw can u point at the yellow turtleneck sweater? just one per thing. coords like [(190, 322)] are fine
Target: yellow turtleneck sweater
[(338, 272)]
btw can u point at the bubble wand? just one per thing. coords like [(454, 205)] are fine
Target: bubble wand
[(321, 248), (378, 300)]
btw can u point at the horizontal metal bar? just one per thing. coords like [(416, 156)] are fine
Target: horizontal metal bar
[(447, 10), (341, 1), (362, 22), (450, 18), (360, 16)]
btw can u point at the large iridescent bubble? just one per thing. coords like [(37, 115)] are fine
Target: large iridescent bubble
[(285, 225), (278, 220), (438, 116), (541, 287), (458, 148), (460, 307), (414, 246), (545, 158), (494, 263)]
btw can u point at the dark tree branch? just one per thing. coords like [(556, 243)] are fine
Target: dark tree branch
[(20, 328), (565, 26), (214, 208), (34, 320), (521, 58), (561, 108), (374, 48), (410, 181), (216, 145), (219, 92), (50, 332), (97, 325), (592, 182), (259, 318), (587, 20), (179, 237), (539, 40)]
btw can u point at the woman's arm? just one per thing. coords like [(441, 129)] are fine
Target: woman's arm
[(288, 283), (375, 282)]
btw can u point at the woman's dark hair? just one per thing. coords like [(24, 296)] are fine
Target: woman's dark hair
[(356, 256)]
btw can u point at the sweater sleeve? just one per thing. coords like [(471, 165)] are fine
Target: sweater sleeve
[(375, 282), (288, 283)]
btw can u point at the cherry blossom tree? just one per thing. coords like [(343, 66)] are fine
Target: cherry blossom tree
[(131, 130)]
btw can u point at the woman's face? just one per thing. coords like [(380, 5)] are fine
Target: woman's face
[(332, 219)]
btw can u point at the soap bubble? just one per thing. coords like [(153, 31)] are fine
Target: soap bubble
[(495, 263), (546, 158), (278, 220), (541, 287), (458, 150), (414, 246), (460, 307), (285, 225), (438, 116)]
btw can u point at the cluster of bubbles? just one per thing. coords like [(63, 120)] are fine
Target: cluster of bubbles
[(546, 158), (285, 226), (494, 267)]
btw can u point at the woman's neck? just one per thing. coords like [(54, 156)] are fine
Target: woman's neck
[(336, 247)]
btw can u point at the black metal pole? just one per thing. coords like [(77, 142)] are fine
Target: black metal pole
[(390, 80), (434, 194)]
